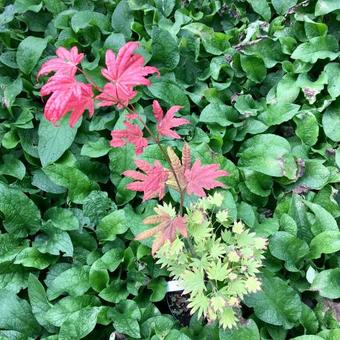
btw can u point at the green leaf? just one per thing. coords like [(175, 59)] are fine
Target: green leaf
[(54, 6), (165, 6), (28, 53), (164, 50), (122, 159), (122, 19), (308, 337), (333, 74), (42, 181), (21, 215), (214, 43), (317, 48), (54, 140), (12, 91), (315, 29), (40, 304), (176, 335), (10, 246), (160, 325), (67, 306), (309, 319), (78, 184), (159, 288), (95, 149), (54, 241), (277, 303), (287, 89), (13, 277), (327, 283), (16, 314), (79, 324), (115, 292), (261, 7), (254, 68), (32, 257), (218, 113), (288, 224), (331, 122), (63, 219), (126, 316), (111, 260), (281, 6), (84, 19), (327, 242), (170, 92), (307, 128), (315, 175), (324, 221), (288, 248), (323, 7), (112, 225), (246, 331), (269, 154), (12, 167), (259, 184), (22, 6), (278, 113), (74, 281), (97, 205)]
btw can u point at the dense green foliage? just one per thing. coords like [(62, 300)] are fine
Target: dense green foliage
[(260, 82)]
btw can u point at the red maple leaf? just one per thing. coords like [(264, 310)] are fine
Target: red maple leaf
[(167, 122), (167, 227), (132, 134), (151, 180), (65, 63), (201, 177), (68, 95), (124, 72)]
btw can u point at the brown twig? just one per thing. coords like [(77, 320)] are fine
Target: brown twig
[(241, 46), (293, 9)]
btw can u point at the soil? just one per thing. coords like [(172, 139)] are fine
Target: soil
[(178, 306)]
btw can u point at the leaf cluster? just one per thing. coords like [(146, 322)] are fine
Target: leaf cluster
[(259, 82)]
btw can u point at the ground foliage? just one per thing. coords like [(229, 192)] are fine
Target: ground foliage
[(259, 82)]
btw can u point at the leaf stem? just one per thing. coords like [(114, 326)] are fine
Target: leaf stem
[(154, 137), (165, 154), (89, 80)]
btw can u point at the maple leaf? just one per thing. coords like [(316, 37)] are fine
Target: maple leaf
[(65, 63), (151, 182), (167, 122), (195, 179), (68, 95), (168, 224), (201, 177), (132, 134), (124, 72), (179, 167)]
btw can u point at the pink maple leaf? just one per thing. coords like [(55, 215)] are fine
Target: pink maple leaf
[(167, 122), (132, 134), (124, 72), (66, 62), (150, 180), (68, 95), (201, 177), (166, 229)]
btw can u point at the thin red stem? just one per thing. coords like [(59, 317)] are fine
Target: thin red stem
[(89, 80), (155, 138), (157, 141)]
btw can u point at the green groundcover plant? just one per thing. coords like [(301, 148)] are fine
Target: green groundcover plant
[(185, 98)]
